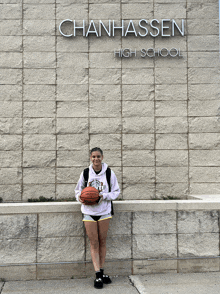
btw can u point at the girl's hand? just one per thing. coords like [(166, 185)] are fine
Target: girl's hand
[(101, 198), (80, 200)]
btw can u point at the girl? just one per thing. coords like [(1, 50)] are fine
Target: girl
[(97, 217)]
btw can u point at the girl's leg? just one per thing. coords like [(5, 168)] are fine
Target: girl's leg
[(102, 235), (92, 232)]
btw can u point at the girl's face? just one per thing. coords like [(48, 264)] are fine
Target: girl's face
[(96, 157)]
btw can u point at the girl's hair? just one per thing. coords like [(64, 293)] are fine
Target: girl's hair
[(96, 149)]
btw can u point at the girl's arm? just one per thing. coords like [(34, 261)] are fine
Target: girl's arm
[(115, 190)]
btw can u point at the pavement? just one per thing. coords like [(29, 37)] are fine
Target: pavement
[(192, 283)]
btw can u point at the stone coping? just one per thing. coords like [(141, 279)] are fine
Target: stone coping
[(213, 203)]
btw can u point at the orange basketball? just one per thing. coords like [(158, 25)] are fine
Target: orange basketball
[(90, 195)]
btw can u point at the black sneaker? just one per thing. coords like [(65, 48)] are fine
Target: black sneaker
[(98, 283), (106, 279)]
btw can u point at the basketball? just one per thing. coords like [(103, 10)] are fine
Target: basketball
[(90, 195)]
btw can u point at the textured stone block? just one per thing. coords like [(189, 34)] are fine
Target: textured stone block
[(202, 59), (137, 92), (113, 160), (10, 176), (105, 125), (204, 141), (171, 141), (138, 44), (11, 125), (32, 191), (75, 10), (168, 108), (60, 249), (142, 191), (68, 59), (142, 125), (103, 76), (72, 158), (103, 60), (39, 27), (104, 44), (105, 108), (133, 11), (39, 43), (11, 109), (10, 142), (11, 43), (10, 192), (171, 158), (204, 188), (152, 223), (39, 142), (39, 176), (76, 75), (39, 76), (106, 142), (203, 43), (198, 244), (177, 42), (11, 76), (143, 267), (172, 62), (202, 10), (72, 125), (61, 224), (171, 92), (205, 174), (168, 76), (11, 60), (104, 92), (190, 222), (11, 93), (11, 11), (137, 108), (44, 12), (10, 158), (137, 141), (18, 226), (170, 10), (203, 75), (201, 27), (117, 246), (41, 158), (72, 109), (60, 271), (39, 125), (138, 158), (72, 92), (120, 224), (72, 142), (198, 265), (68, 175), (39, 109), (179, 190), (206, 108), (11, 27), (204, 124), (137, 62), (18, 251), (65, 191), (204, 157), (155, 246), (134, 175), (204, 91), (171, 125), (66, 44), (21, 273), (39, 60), (137, 76), (102, 11), (172, 174)]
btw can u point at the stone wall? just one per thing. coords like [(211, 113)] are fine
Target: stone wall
[(46, 241), (157, 120)]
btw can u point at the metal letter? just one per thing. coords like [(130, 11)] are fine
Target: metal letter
[(151, 24), (66, 20), (174, 24), (144, 52), (162, 52), (122, 28), (126, 52), (143, 28), (117, 52), (92, 32), (133, 31), (164, 28), (173, 50), (83, 28), (150, 49), (101, 24), (133, 52)]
